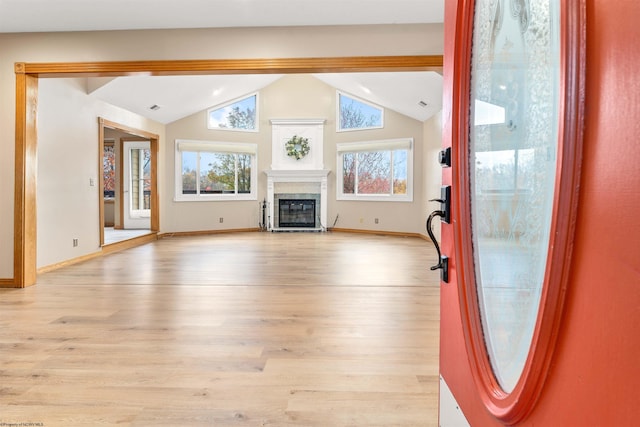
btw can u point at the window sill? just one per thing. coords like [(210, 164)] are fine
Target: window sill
[(217, 198), (374, 198)]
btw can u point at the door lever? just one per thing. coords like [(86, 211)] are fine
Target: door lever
[(445, 214)]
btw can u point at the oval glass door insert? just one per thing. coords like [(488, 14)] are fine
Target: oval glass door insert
[(513, 142)]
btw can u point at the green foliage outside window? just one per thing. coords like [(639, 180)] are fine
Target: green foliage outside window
[(238, 115)]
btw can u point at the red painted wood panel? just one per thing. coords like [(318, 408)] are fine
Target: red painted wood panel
[(595, 374)]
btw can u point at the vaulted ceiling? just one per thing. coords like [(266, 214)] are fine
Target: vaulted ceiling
[(179, 96), (169, 98)]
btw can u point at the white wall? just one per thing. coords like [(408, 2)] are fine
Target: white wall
[(432, 178), (182, 44), (68, 161)]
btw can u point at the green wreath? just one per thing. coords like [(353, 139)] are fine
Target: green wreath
[(297, 147)]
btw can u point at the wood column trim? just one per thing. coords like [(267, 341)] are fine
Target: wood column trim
[(101, 179), (239, 66), (26, 161)]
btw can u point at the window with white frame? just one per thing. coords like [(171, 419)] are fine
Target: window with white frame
[(376, 170), (239, 115), (207, 170), (358, 114)]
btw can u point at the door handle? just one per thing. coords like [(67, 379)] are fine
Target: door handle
[(445, 214)]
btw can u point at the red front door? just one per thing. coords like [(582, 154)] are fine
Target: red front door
[(540, 313)]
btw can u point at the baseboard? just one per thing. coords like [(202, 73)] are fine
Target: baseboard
[(425, 237), (7, 283), (245, 230), (206, 232), (129, 243), (376, 232), (68, 262), (107, 249)]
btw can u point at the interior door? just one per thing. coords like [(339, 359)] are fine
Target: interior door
[(137, 184), (511, 158)]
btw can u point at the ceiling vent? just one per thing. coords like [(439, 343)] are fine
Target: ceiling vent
[(422, 104), (154, 107)]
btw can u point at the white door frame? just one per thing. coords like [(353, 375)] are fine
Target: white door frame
[(138, 219)]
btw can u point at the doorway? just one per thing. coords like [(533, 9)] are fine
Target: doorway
[(136, 177), (27, 75), (129, 198)]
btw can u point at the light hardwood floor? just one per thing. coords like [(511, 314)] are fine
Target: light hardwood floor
[(247, 329)]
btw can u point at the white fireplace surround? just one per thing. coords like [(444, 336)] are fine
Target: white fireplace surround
[(295, 178), (297, 182)]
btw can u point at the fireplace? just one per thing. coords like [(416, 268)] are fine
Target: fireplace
[(296, 187), (297, 213)]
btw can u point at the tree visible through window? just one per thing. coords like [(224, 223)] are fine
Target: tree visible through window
[(355, 114), (368, 171), (237, 115), (205, 170), (109, 170), (224, 173)]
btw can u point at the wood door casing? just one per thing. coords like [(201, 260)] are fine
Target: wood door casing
[(27, 75)]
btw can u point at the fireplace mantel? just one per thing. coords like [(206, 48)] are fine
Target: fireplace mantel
[(297, 175), (305, 181)]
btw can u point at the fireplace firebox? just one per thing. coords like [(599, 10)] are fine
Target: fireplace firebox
[(297, 213)]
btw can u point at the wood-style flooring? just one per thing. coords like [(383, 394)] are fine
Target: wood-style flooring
[(246, 329)]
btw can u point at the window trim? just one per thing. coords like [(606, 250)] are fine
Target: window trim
[(198, 146), (233, 101), (369, 146), (378, 107)]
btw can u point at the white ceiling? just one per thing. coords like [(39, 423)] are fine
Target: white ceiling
[(81, 15), (180, 96)]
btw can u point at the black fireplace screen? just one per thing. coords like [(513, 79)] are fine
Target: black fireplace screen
[(297, 213)]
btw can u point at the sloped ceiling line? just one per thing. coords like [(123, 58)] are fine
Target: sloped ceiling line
[(180, 96)]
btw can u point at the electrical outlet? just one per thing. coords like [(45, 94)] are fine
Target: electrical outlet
[(75, 242), (361, 220), (375, 220), (221, 220)]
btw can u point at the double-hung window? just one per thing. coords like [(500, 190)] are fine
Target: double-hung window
[(376, 170), (208, 170)]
